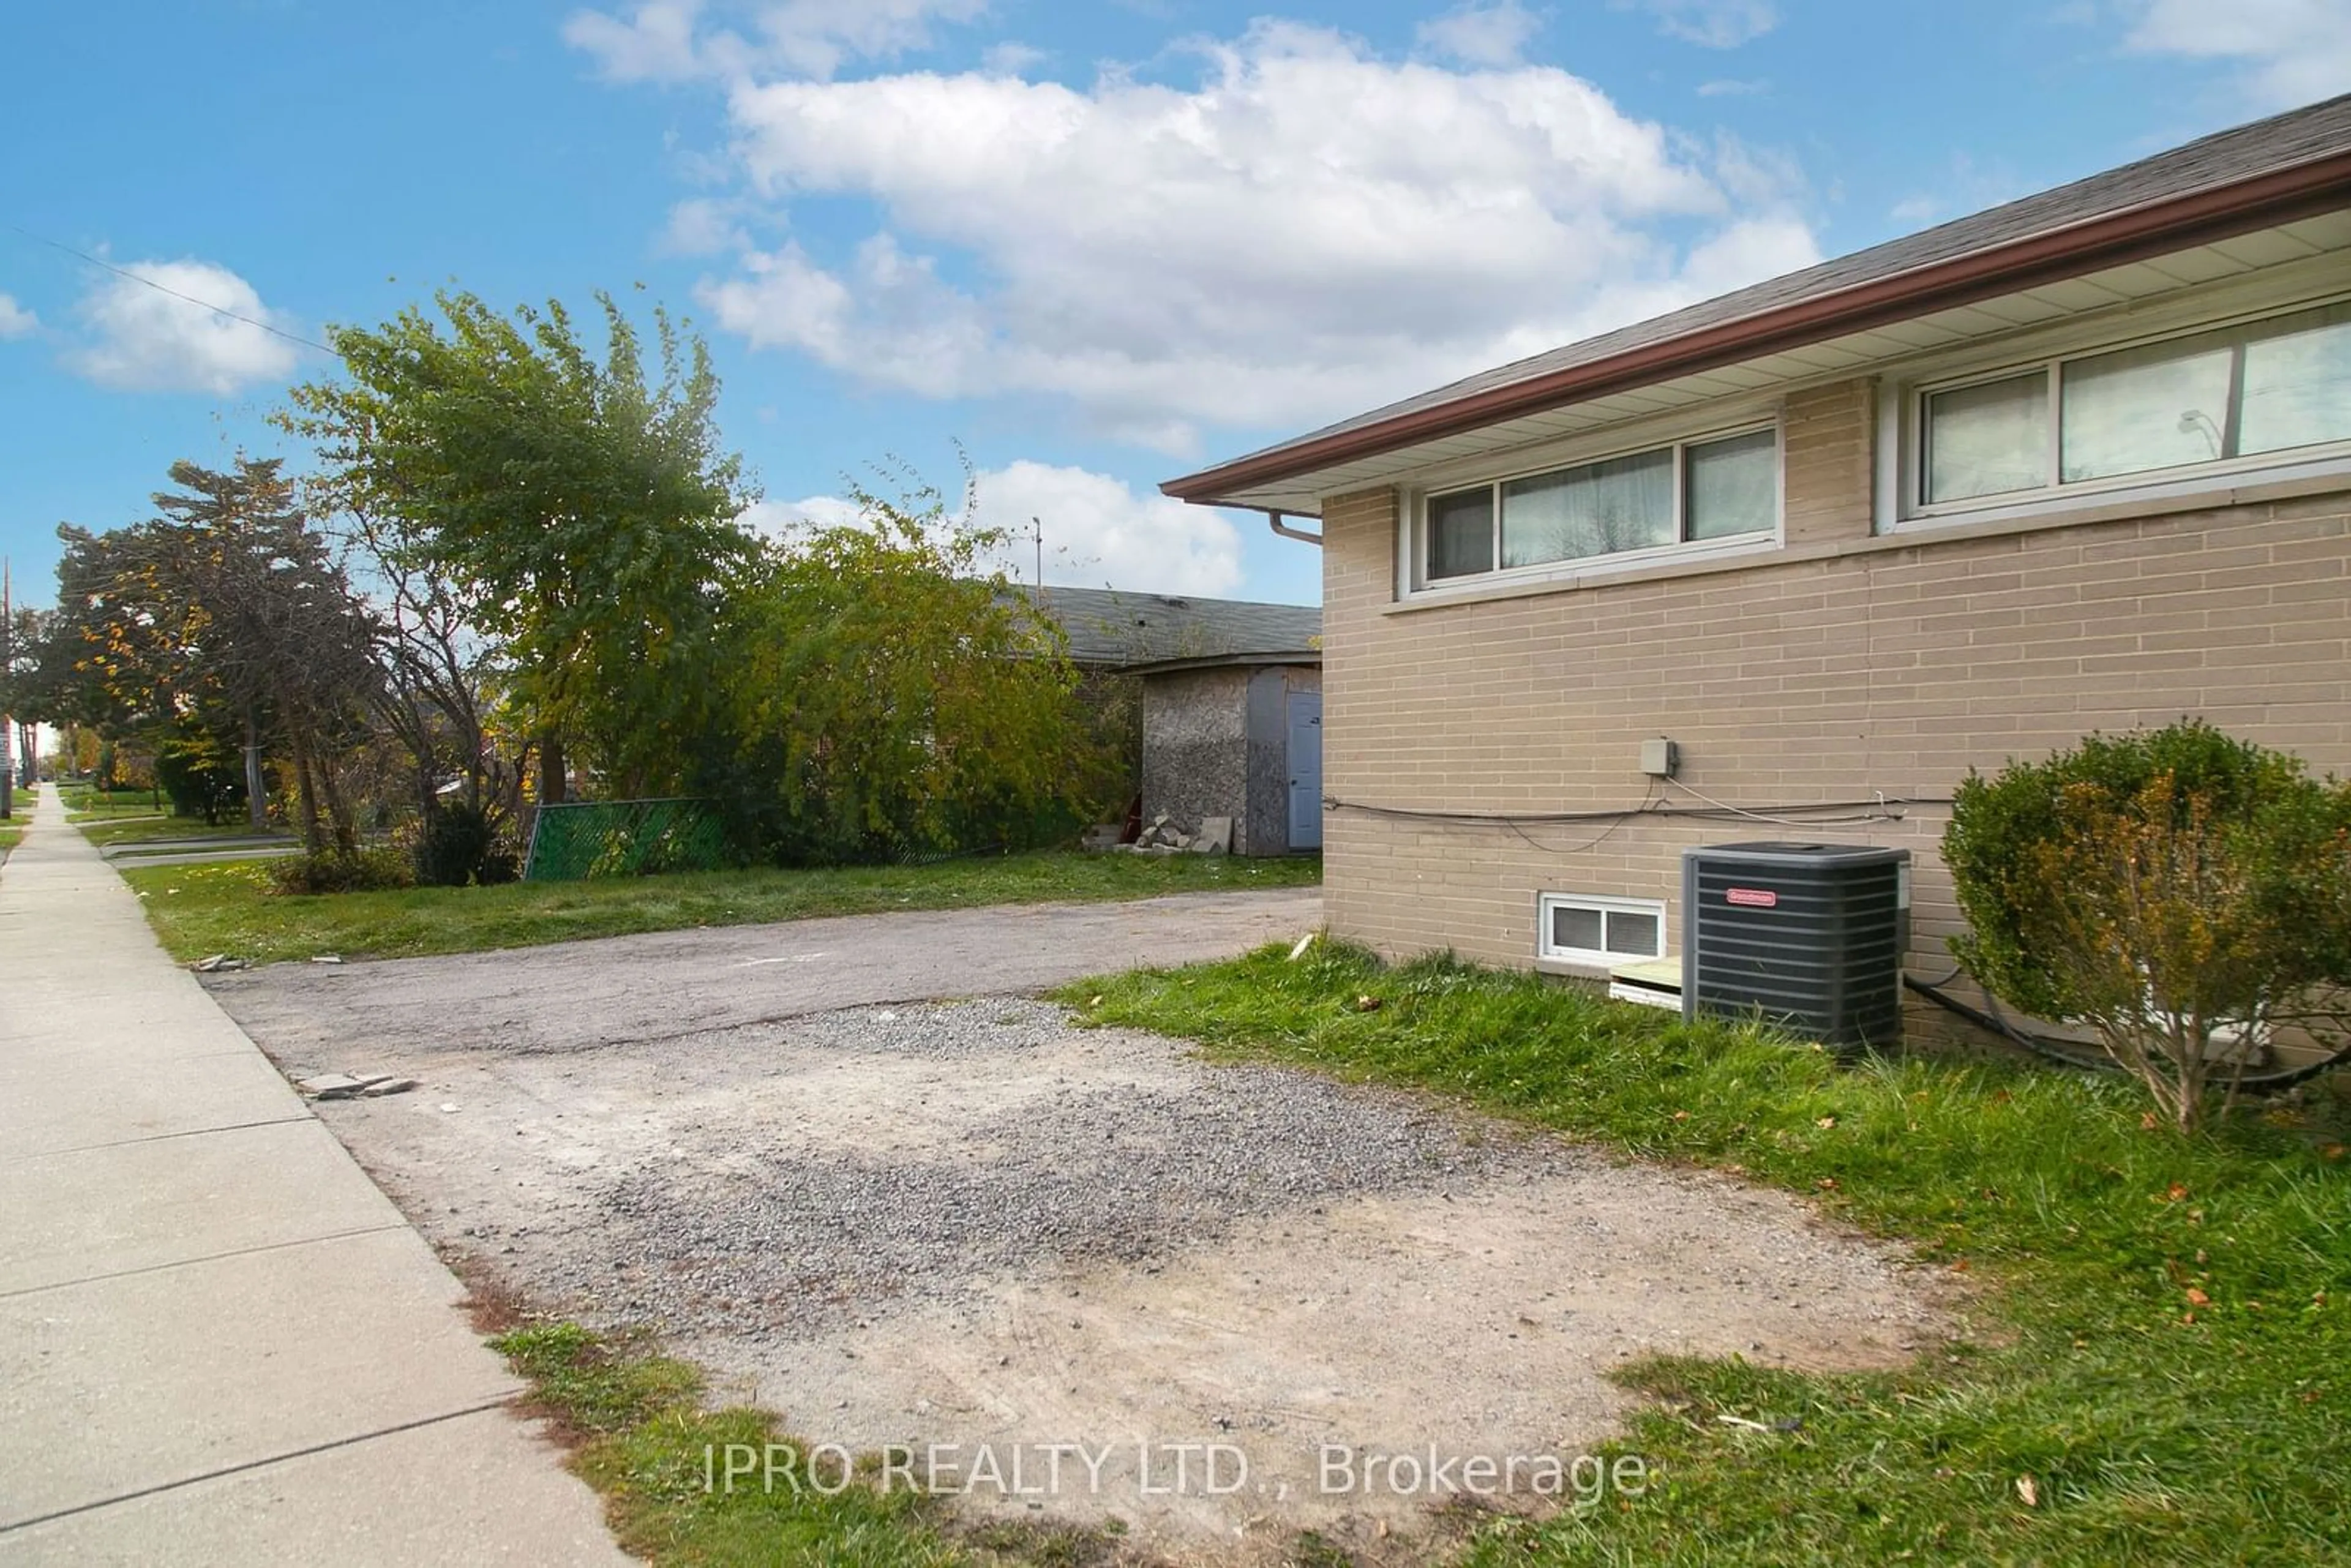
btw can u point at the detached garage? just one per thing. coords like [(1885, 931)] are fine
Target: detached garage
[(1237, 736)]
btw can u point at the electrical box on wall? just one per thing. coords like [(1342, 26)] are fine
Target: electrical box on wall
[(1660, 758)]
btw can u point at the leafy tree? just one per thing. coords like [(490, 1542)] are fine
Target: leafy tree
[(226, 615), (2186, 895), (202, 776), (24, 696), (436, 703), (901, 701), (580, 517), (278, 626)]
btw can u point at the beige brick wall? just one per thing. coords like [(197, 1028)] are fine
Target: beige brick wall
[(1889, 671), (1828, 445)]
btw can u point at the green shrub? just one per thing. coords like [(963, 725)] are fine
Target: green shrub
[(368, 869), (460, 844), (2174, 889)]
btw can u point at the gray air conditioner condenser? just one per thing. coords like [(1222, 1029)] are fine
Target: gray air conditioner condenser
[(1808, 935)]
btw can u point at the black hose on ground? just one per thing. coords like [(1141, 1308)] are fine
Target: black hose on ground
[(2066, 1054)]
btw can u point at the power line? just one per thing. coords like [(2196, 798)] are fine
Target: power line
[(161, 289)]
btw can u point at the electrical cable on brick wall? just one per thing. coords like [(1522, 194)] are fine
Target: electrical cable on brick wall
[(1879, 809)]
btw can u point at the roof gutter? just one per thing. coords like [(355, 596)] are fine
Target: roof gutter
[(2110, 239), (1273, 520)]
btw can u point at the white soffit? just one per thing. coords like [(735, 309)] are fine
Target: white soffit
[(2117, 289)]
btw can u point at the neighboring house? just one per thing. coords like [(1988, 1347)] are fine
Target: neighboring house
[(2081, 462), (1227, 703)]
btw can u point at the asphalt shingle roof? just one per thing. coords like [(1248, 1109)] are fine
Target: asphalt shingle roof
[(1115, 627)]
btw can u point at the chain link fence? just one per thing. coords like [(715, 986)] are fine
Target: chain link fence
[(576, 840)]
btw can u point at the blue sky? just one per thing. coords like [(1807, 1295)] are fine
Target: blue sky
[(1097, 244)]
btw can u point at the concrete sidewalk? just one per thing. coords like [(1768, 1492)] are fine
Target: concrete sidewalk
[(219, 1344)]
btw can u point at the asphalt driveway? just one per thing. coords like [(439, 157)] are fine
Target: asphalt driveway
[(620, 990)]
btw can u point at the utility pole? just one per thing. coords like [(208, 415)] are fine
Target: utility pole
[(7, 673)]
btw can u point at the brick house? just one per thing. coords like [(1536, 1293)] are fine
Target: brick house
[(2081, 462)]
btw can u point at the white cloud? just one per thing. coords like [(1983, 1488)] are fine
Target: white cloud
[(1716, 24), (704, 226), (664, 40), (656, 42), (144, 339), (1097, 532), (1480, 34), (1732, 87), (16, 321), (780, 518), (1305, 232), (2290, 51), (1011, 59)]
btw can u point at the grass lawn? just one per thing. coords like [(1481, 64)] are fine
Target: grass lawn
[(11, 833), (84, 804), (2160, 1367), (641, 1436), (143, 828), (225, 907)]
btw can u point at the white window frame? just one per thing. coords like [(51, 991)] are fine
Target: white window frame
[(1545, 902), (1903, 414), (1413, 580)]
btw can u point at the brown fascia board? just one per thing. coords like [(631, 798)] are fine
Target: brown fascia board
[(2110, 239)]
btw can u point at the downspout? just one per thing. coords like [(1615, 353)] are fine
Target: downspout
[(1273, 520)]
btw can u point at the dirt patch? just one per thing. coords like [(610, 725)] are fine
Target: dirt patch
[(973, 1226)]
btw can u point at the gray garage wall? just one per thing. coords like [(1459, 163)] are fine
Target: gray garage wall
[(1215, 743), (1196, 745)]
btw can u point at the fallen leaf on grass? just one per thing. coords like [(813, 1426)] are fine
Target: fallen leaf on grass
[(1825, 1122), (2027, 1491), (2197, 1298)]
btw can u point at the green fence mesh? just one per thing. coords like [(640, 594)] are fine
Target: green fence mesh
[(580, 838)]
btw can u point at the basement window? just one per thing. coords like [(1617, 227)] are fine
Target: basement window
[(1585, 929)]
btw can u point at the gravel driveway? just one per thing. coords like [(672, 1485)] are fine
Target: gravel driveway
[(969, 1223)]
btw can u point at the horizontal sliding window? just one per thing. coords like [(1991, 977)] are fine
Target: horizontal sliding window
[(1685, 493), (2212, 397)]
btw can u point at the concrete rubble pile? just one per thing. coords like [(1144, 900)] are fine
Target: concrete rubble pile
[(1161, 836)]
